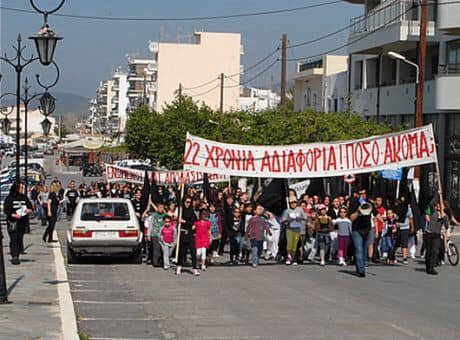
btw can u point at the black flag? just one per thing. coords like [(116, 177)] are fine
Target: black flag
[(206, 188), (274, 195), (145, 192), (154, 194), (417, 215)]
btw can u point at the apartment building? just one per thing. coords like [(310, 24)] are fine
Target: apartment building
[(321, 84), (384, 88), (196, 66), (109, 110), (254, 99)]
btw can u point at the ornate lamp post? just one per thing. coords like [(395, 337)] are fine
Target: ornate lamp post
[(45, 43)]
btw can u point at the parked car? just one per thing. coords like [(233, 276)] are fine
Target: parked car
[(92, 169), (104, 226)]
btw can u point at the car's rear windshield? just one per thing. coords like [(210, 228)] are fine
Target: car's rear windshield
[(105, 211)]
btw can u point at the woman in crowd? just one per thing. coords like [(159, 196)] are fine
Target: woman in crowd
[(52, 213)]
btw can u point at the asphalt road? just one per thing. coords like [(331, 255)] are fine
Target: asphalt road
[(115, 299)]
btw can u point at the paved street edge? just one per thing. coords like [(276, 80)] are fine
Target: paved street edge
[(68, 318)]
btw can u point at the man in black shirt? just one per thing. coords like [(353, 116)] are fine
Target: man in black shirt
[(362, 224), (137, 204), (436, 220), (17, 207), (71, 195)]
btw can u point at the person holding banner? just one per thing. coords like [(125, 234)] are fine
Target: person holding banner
[(361, 227), (436, 219), (295, 218), (187, 237)]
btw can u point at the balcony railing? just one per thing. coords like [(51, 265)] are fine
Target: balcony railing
[(317, 63), (387, 13), (449, 69)]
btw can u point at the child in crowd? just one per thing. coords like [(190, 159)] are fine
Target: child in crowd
[(216, 231), (167, 239), (323, 228), (390, 231), (255, 233), (343, 224), (202, 229)]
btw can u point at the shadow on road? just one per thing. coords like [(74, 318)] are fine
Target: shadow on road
[(14, 284)]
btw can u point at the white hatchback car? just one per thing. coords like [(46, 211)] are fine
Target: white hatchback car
[(104, 226)]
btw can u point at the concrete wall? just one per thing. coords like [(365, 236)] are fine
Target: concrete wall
[(195, 64), (447, 97), (449, 16), (394, 100)]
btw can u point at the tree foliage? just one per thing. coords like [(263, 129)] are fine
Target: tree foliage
[(161, 137)]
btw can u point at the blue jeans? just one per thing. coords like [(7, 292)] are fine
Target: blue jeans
[(387, 244), (256, 247), (360, 250)]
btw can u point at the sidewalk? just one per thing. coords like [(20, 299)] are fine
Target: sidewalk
[(37, 290)]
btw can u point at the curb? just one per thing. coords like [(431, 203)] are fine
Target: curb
[(68, 318)]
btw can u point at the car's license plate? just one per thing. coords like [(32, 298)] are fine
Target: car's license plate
[(106, 234)]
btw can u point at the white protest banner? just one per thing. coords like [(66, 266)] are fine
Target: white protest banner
[(300, 187), (401, 149), (119, 174)]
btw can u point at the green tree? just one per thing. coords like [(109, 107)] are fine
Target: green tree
[(161, 137)]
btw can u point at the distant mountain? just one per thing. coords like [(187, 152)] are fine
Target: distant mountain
[(69, 103)]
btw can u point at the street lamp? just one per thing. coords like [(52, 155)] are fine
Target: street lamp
[(47, 103), (398, 56), (46, 126), (418, 105), (6, 125), (45, 42)]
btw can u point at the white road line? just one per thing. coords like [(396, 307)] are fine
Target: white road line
[(98, 290), (68, 318), (122, 319), (93, 338), (404, 330), (114, 302)]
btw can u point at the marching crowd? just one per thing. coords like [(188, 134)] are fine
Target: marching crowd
[(330, 230)]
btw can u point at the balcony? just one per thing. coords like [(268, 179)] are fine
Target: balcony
[(390, 22), (394, 99), (447, 84), (448, 18), (310, 69)]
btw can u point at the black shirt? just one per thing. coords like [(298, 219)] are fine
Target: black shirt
[(72, 196), (13, 203)]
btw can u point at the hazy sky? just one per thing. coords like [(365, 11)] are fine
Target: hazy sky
[(91, 50)]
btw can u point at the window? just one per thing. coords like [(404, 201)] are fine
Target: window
[(308, 97), (358, 81), (105, 211), (453, 56)]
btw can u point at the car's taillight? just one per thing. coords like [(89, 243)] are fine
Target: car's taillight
[(128, 233), (82, 233)]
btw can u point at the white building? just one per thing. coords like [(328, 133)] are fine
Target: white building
[(34, 120), (384, 88), (321, 84), (195, 66), (109, 110), (253, 99)]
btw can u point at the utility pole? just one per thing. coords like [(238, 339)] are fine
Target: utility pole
[(222, 77), (180, 94), (283, 70), (421, 76)]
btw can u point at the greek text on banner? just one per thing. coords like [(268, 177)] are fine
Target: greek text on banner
[(396, 150), (118, 174)]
